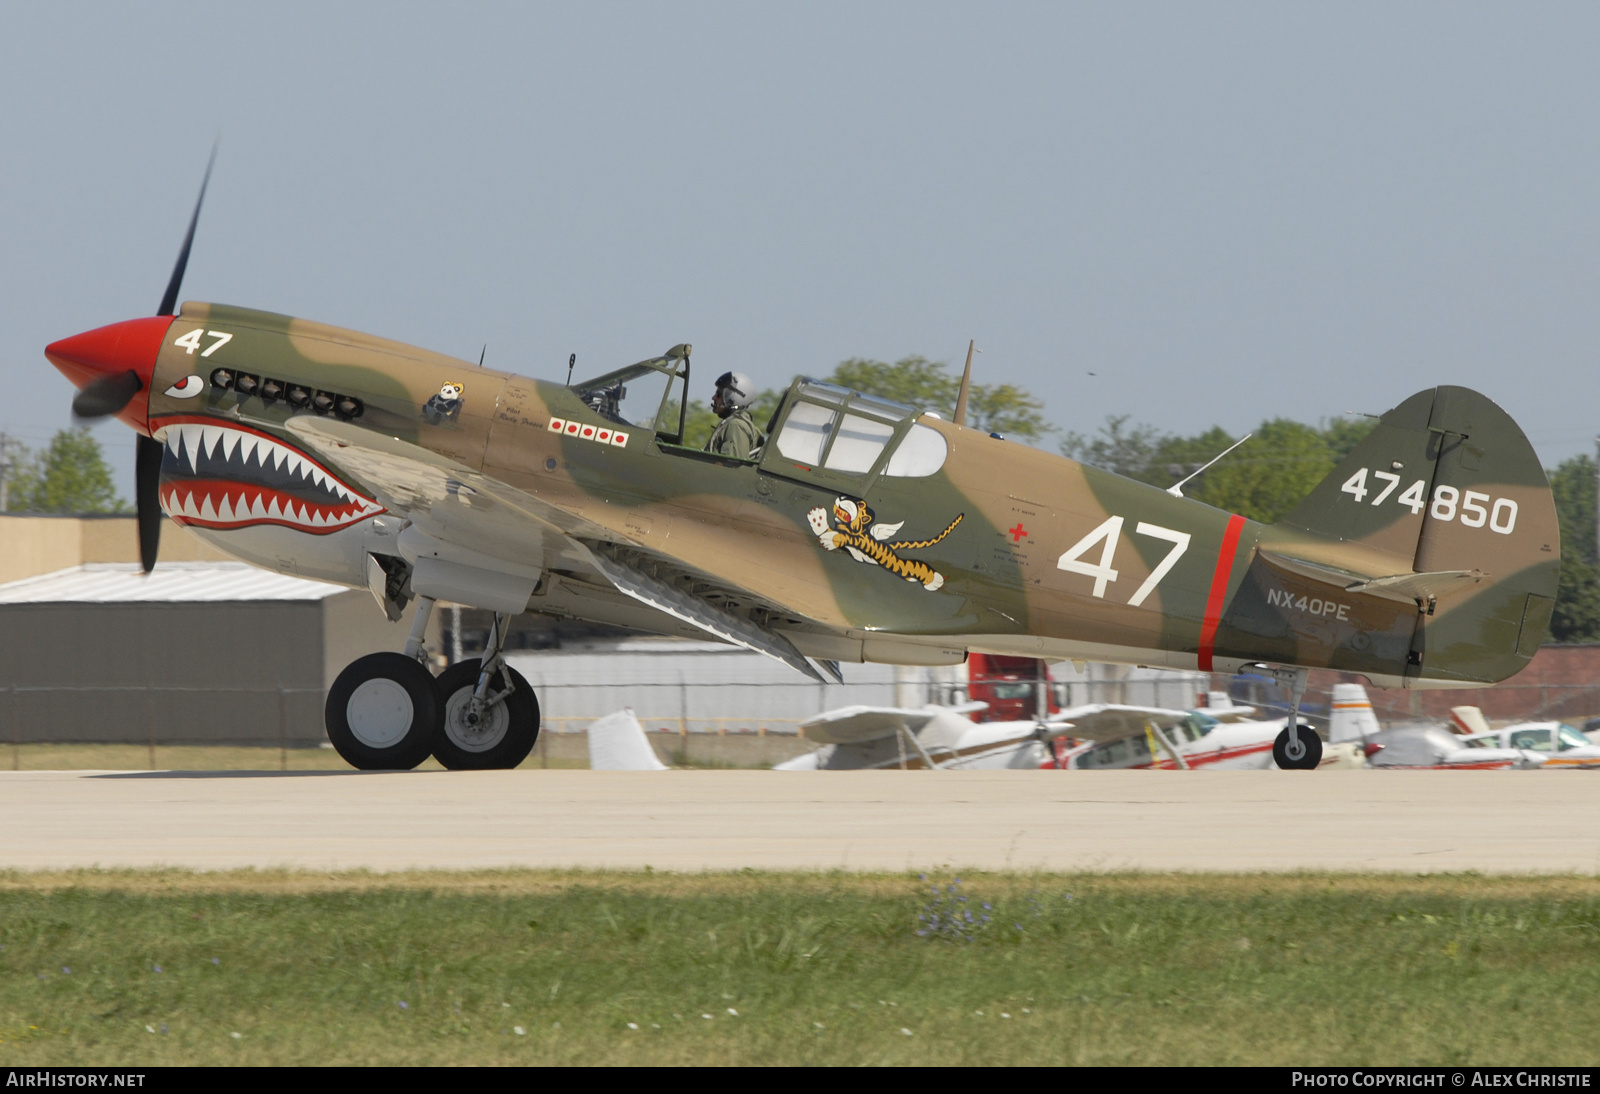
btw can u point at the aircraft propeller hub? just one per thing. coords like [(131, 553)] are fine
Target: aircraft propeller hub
[(111, 365)]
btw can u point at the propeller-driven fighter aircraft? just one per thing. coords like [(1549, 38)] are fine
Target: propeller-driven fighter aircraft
[(862, 530)]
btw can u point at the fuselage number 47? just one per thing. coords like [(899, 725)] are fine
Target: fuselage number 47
[(1107, 535)]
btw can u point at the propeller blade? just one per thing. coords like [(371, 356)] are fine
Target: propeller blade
[(147, 496), (106, 394), (169, 301)]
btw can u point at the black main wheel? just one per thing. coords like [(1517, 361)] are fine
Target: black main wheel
[(503, 734), (1310, 753), (383, 713)]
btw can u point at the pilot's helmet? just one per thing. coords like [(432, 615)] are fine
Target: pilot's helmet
[(736, 390)]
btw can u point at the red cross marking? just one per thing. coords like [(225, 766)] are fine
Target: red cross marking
[(1017, 533)]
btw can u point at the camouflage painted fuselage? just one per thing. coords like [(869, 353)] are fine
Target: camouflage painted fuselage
[(1445, 579)]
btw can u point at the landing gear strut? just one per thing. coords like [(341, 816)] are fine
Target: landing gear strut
[(1298, 748), (490, 714)]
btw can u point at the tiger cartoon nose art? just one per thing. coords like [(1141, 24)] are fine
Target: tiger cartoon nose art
[(853, 529)]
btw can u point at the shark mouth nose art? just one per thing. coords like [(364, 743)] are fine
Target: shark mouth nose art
[(227, 476)]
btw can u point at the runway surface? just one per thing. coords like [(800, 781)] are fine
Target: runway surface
[(1500, 822)]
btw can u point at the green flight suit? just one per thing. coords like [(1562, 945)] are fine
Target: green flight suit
[(735, 436)]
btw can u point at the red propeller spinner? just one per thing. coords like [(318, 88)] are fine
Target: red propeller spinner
[(112, 368)]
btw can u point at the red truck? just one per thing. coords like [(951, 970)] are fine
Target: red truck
[(1011, 687)]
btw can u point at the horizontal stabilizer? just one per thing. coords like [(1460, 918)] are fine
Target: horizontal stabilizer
[(1417, 586), (1407, 586)]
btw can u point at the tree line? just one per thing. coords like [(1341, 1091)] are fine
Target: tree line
[(69, 476), (1262, 480)]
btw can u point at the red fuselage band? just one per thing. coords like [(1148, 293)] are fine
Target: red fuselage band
[(1219, 590)]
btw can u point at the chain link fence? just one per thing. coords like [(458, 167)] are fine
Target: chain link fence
[(704, 694), (157, 716)]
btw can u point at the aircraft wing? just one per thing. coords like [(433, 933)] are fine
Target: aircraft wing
[(499, 528), (1230, 715), (449, 499), (855, 724), (1111, 721)]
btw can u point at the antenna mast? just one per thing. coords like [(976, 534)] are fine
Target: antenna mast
[(960, 417)]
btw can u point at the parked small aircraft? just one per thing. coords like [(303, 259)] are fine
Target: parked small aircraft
[(1107, 735), (1434, 748), (863, 530), (1557, 744), (1421, 746), (1093, 736)]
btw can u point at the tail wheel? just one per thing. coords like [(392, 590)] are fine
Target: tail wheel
[(383, 713), (1309, 752), (502, 733)]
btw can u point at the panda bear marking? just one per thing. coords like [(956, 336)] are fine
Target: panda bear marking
[(446, 405)]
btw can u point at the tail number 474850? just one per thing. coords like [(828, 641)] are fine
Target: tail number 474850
[(1474, 507)]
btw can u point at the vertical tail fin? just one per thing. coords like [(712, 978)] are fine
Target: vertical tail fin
[(1465, 720), (1351, 718), (1448, 487), (617, 742)]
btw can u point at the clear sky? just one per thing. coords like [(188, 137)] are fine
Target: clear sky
[(1225, 211)]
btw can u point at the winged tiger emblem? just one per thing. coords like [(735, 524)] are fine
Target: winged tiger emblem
[(853, 526)]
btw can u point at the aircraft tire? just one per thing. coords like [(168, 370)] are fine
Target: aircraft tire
[(510, 728), (1306, 762), (382, 713)]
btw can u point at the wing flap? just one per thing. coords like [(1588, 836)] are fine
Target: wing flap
[(693, 609)]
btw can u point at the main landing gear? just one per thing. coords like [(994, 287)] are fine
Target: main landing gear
[(385, 712), (1298, 748)]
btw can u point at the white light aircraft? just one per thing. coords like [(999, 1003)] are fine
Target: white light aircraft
[(1557, 744)]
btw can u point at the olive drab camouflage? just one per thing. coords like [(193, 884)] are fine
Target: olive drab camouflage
[(1428, 558), (862, 530)]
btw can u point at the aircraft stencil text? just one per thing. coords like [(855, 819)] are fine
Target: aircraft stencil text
[(1314, 605), (1500, 514)]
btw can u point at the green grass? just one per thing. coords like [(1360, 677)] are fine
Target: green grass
[(794, 968)]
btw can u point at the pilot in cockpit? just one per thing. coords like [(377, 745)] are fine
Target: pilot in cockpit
[(736, 435)]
